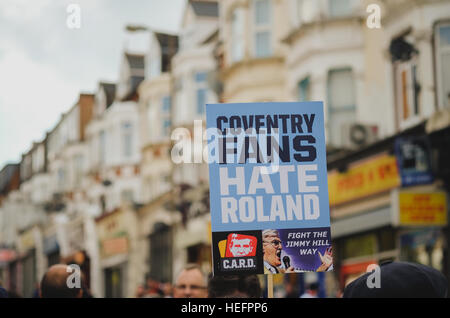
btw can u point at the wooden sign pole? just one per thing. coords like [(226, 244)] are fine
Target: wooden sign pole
[(270, 285)]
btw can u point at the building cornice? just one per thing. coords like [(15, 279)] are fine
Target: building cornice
[(249, 62), (321, 23)]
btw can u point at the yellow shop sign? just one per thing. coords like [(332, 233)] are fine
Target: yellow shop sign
[(370, 177), (422, 208)]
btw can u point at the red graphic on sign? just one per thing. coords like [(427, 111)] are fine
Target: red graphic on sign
[(239, 245)]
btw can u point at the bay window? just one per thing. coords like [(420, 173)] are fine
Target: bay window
[(341, 103), (262, 28), (442, 51)]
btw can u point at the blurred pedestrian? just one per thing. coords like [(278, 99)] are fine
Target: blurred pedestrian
[(167, 289), (153, 289), (312, 291), (290, 290), (399, 280), (36, 292), (191, 283), (3, 293), (54, 283), (234, 286), (85, 288), (13, 294), (86, 292), (140, 291)]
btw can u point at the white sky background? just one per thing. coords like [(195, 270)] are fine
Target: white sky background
[(44, 65)]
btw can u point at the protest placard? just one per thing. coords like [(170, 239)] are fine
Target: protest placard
[(268, 188)]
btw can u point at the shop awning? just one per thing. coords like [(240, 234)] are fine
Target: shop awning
[(361, 222)]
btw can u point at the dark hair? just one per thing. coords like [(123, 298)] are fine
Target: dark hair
[(314, 286), (54, 285), (235, 286), (400, 280)]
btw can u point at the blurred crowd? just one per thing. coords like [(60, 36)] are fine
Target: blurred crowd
[(400, 279)]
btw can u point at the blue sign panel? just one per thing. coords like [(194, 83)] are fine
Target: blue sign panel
[(413, 158), (268, 183)]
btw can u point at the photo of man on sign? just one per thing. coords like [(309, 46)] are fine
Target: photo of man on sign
[(274, 263), (272, 247)]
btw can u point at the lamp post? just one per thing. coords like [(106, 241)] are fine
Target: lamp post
[(136, 28)]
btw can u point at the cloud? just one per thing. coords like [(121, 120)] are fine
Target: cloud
[(32, 99), (44, 64)]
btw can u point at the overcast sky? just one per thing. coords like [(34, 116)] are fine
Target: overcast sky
[(44, 64)]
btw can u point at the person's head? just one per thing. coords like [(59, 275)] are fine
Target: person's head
[(289, 288), (166, 289), (140, 291), (272, 247), (234, 286), (190, 283), (313, 288), (399, 280), (54, 283), (151, 282)]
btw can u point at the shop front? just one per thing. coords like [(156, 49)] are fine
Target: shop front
[(359, 250), (410, 229), (160, 252), (116, 262), (192, 242), (28, 259), (14, 276), (156, 241), (72, 247), (387, 206), (421, 203), (7, 258), (422, 220), (51, 249), (362, 216), (423, 246)]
